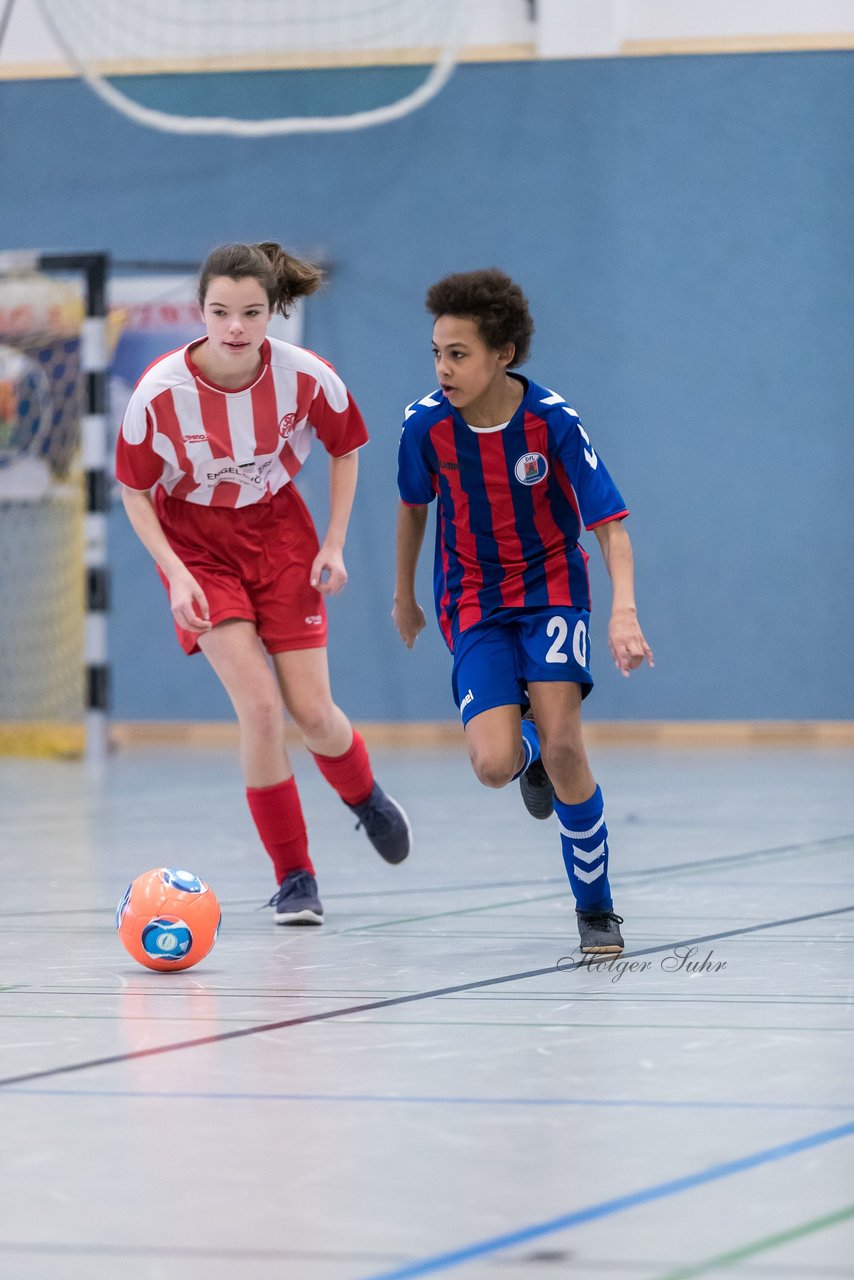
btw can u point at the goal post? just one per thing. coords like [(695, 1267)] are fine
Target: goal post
[(54, 501)]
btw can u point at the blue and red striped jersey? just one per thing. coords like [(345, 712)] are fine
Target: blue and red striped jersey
[(512, 502)]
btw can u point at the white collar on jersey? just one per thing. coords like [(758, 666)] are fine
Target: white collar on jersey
[(482, 431)]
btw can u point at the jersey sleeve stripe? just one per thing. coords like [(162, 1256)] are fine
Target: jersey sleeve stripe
[(618, 515)]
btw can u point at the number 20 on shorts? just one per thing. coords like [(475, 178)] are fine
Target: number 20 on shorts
[(558, 628)]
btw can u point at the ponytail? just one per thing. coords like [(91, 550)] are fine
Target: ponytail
[(283, 277), (295, 278)]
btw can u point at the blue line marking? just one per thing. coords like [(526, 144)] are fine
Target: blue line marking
[(660, 1191)]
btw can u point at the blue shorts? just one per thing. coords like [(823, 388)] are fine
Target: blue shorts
[(495, 659)]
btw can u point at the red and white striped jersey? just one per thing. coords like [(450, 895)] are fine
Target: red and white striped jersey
[(227, 447)]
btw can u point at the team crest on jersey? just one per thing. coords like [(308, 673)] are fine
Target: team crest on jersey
[(287, 424), (531, 468)]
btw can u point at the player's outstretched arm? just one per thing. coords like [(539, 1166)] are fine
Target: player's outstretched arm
[(407, 613), (625, 638)]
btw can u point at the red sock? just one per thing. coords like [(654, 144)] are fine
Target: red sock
[(277, 813), (351, 774)]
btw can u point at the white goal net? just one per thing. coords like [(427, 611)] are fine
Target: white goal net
[(42, 604), (327, 65)]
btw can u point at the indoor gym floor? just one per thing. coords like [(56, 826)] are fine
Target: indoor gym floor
[(427, 1085)]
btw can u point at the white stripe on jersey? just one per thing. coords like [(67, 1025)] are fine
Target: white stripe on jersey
[(167, 374), (241, 426), (302, 441), (167, 451)]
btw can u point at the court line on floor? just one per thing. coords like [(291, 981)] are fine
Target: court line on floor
[(728, 859), (652, 1104), (760, 1246), (611, 1028), (203, 994), (608, 1208), (179, 1252), (419, 890), (370, 1006), (329, 895), (457, 911), (698, 864), (661, 1000)]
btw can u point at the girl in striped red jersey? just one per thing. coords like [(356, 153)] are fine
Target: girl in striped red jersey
[(210, 443)]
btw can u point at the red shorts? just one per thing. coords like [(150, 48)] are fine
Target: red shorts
[(251, 562)]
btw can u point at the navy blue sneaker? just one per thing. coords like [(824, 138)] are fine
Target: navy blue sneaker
[(386, 825), (599, 932), (536, 787), (296, 900)]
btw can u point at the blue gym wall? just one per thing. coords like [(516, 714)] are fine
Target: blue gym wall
[(683, 228)]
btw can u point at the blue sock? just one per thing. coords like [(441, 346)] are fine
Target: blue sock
[(584, 842), (530, 745)]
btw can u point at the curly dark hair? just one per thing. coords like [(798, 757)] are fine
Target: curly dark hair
[(495, 303)]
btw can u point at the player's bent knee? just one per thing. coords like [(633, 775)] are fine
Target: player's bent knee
[(314, 721), (492, 771), (564, 758)]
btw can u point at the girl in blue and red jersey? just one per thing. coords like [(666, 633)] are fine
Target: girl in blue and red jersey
[(210, 443), (516, 478)]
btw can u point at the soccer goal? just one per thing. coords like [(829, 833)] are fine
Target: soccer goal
[(54, 495), (321, 66)]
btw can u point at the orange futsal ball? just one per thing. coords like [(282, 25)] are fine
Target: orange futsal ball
[(168, 919)]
